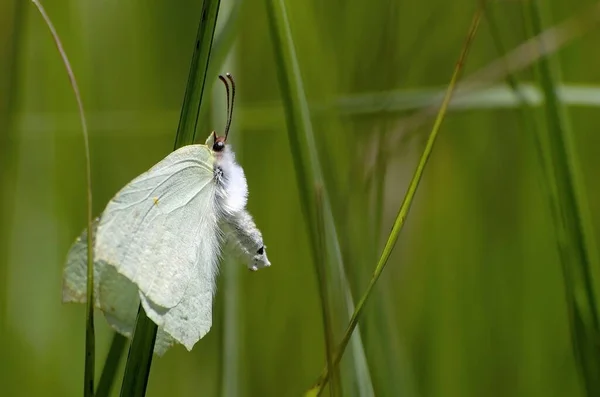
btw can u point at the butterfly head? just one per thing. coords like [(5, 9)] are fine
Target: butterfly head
[(217, 143)]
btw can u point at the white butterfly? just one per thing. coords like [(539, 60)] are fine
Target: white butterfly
[(159, 240)]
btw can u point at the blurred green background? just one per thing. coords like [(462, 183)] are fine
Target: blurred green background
[(472, 301)]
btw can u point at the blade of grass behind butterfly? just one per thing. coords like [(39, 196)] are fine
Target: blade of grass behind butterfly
[(229, 382), (305, 158), (139, 359), (574, 232), (404, 208), (90, 340)]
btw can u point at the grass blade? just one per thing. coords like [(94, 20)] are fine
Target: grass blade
[(574, 233), (135, 379), (404, 208), (139, 359), (307, 167), (231, 323), (111, 364), (190, 110), (323, 290), (8, 99), (90, 340)]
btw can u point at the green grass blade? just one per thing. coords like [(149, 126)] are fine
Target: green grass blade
[(190, 110), (231, 323), (111, 364), (139, 359), (334, 388), (8, 99), (137, 370), (574, 232), (308, 170), (404, 208), (90, 339)]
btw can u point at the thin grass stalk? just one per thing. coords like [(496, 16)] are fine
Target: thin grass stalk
[(139, 359), (404, 208), (90, 340), (574, 232)]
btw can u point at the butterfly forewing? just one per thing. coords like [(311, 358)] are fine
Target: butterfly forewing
[(160, 230)]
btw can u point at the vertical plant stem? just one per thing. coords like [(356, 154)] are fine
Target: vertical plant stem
[(404, 208), (90, 343), (139, 359), (574, 232)]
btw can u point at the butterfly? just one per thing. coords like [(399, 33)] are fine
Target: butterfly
[(159, 241)]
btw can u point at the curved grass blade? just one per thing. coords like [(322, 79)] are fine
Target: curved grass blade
[(308, 170), (569, 207), (90, 342), (139, 359), (404, 208)]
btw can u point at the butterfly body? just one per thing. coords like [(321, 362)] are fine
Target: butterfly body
[(158, 242)]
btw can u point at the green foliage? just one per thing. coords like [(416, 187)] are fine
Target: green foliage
[(472, 300)]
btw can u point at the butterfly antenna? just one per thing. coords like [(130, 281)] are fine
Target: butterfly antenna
[(232, 101), (228, 106)]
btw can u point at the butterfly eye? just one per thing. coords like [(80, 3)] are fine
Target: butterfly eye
[(218, 146)]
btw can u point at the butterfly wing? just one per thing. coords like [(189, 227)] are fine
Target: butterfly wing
[(161, 230)]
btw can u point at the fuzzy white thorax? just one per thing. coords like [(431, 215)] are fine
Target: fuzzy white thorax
[(234, 192)]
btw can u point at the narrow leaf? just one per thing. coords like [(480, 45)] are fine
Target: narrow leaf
[(90, 342)]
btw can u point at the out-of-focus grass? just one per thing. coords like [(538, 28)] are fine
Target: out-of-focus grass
[(89, 383), (472, 302), (315, 199), (571, 219)]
